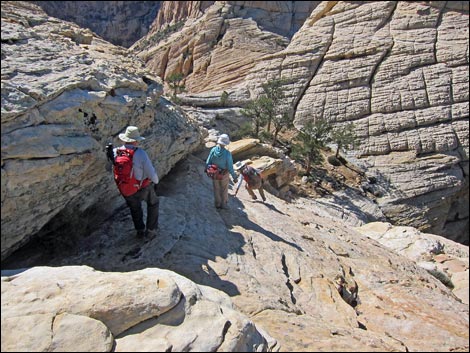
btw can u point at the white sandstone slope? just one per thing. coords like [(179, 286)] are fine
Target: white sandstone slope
[(282, 265)]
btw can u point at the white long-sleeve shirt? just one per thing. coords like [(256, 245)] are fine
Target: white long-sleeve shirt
[(143, 167)]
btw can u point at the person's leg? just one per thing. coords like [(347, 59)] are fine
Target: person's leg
[(261, 192), (217, 193), (134, 202), (250, 191), (224, 190), (152, 208)]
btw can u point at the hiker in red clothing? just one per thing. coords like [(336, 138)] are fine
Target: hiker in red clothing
[(136, 179), (252, 177)]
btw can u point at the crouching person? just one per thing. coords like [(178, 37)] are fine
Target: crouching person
[(253, 179)]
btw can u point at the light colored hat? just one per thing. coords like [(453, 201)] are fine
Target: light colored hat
[(239, 165), (131, 135), (223, 140)]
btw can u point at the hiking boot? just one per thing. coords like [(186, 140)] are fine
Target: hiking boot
[(140, 233), (151, 233)]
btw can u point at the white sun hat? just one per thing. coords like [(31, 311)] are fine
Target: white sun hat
[(223, 140), (131, 135), (239, 165)]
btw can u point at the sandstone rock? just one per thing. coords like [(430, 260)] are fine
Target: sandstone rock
[(77, 308), (449, 260), (278, 261), (121, 23)]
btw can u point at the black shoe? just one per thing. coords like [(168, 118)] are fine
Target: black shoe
[(140, 234), (151, 233)]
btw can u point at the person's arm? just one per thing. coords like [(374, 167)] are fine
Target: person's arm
[(148, 169), (230, 166), (239, 184), (209, 158)]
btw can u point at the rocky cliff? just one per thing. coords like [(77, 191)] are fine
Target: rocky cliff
[(118, 22), (398, 70)]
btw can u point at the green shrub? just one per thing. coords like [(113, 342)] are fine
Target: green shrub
[(245, 131)]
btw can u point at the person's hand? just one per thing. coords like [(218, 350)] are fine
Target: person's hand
[(235, 180)]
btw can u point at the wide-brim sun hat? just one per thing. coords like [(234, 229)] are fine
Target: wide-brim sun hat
[(239, 165), (223, 140), (131, 135)]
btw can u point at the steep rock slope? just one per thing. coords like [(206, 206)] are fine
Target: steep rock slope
[(399, 71), (310, 281), (217, 46)]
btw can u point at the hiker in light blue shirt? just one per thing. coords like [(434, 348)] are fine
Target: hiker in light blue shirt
[(222, 157)]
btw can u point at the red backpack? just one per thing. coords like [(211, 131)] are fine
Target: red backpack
[(124, 172)]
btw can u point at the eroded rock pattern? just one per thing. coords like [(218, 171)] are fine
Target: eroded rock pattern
[(148, 310)]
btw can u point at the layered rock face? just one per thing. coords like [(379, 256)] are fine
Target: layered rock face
[(171, 13), (398, 70), (401, 75), (308, 279), (219, 45), (65, 95), (119, 22)]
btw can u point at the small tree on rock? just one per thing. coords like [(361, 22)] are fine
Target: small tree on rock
[(224, 98), (343, 137), (280, 121), (174, 81), (267, 109), (312, 137), (256, 110), (275, 93)]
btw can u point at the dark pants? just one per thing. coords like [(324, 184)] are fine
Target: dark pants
[(252, 194), (134, 202)]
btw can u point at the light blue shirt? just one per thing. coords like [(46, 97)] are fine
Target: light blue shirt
[(142, 166), (222, 158)]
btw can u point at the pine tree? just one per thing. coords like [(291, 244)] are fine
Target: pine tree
[(344, 137), (313, 136), (256, 110), (267, 109), (174, 81)]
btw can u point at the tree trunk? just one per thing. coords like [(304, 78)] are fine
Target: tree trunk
[(309, 166), (276, 132)]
